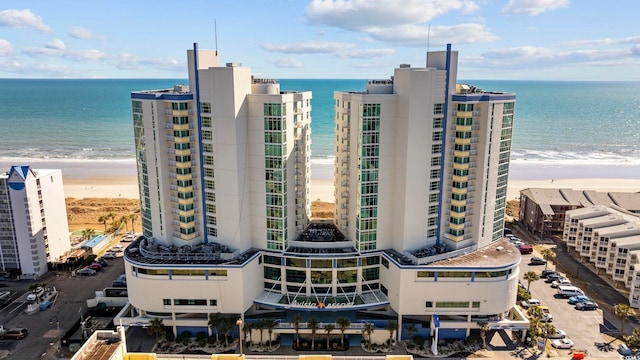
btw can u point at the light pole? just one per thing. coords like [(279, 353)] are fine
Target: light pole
[(239, 323), (58, 328)]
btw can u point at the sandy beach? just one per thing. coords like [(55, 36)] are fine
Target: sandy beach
[(85, 179)]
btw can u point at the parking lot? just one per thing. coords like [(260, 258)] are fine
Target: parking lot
[(585, 328), (64, 312)]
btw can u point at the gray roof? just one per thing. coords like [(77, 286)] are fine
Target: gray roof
[(546, 198)]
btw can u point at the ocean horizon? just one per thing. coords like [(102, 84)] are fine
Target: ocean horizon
[(557, 123)]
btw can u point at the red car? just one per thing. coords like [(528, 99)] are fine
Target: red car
[(95, 266), (525, 249)]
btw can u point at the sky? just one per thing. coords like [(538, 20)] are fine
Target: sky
[(355, 39)]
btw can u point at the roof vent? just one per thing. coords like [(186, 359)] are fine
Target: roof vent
[(232, 64), (405, 66), (499, 248)]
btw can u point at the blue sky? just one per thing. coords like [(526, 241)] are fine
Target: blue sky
[(508, 39)]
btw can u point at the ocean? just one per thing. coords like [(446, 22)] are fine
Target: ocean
[(556, 123)]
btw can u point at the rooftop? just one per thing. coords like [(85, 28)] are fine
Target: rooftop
[(498, 253)]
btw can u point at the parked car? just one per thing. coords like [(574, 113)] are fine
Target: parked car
[(507, 231), (579, 299), (552, 277), (624, 350), (16, 333), (110, 255), (558, 334), (587, 305), (95, 267), (102, 262), (525, 249), (548, 272), (529, 303), (537, 261), (119, 283), (562, 343), (546, 318), (561, 282), (117, 248), (86, 272)]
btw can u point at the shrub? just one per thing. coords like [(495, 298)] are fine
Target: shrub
[(202, 342), (186, 334), (169, 336), (201, 335), (418, 340)]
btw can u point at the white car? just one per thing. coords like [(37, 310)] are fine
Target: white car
[(529, 303), (110, 255), (559, 334), (561, 282), (546, 318), (562, 343), (117, 248)]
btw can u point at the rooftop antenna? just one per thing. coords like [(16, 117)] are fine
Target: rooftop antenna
[(215, 31), (428, 38)]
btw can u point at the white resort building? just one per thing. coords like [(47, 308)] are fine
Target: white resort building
[(609, 238), (420, 178), (33, 230)]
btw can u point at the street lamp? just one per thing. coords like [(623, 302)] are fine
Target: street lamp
[(57, 326), (239, 323)]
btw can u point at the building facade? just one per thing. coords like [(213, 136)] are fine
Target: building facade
[(421, 172), (609, 238), (33, 230), (422, 161)]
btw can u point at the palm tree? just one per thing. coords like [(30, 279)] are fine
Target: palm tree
[(535, 312), (529, 277), (133, 217), (112, 216), (270, 324), (297, 319), (547, 330), (328, 329), (156, 327), (214, 323), (247, 327), (103, 219), (368, 330), (343, 324), (391, 327), (622, 312), (88, 233), (124, 220), (227, 324), (411, 329), (313, 324), (484, 328), (260, 325), (547, 254)]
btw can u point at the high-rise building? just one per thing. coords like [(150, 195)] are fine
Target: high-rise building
[(421, 171), (33, 230), (225, 160), (421, 160)]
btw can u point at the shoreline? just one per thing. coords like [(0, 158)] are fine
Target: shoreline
[(118, 179)]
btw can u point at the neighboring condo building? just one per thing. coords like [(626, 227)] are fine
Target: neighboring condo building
[(422, 166), (33, 229), (609, 238)]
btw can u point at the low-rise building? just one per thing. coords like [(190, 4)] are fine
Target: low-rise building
[(542, 211)]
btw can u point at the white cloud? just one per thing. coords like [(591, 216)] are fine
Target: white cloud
[(341, 50), (21, 19), (84, 55), (125, 61), (5, 48), (540, 57), (360, 15), (310, 47), (56, 44), (417, 36), (288, 62), (533, 7), (607, 41), (79, 32)]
